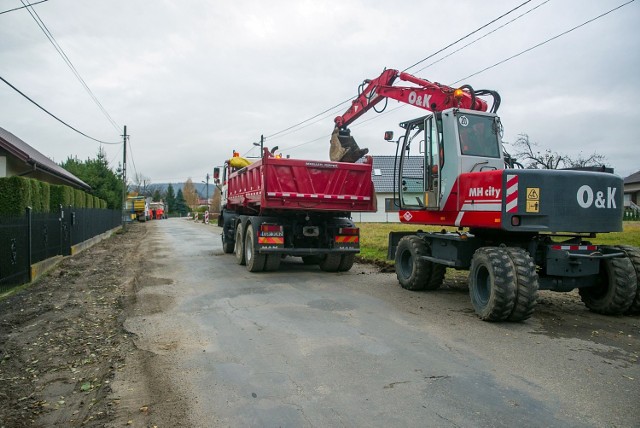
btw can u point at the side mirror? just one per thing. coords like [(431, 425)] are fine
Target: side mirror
[(388, 135)]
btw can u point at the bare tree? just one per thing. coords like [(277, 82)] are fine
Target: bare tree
[(532, 156)]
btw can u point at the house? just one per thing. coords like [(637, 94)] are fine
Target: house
[(632, 191), (383, 175), (19, 158)]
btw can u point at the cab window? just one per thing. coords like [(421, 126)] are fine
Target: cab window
[(478, 136)]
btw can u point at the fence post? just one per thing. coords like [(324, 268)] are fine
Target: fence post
[(29, 227)]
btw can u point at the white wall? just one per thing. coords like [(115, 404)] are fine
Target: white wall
[(379, 216), (3, 166)]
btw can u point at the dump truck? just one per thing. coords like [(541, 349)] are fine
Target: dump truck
[(138, 207), (518, 230), (277, 207)]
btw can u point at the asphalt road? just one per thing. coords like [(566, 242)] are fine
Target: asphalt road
[(300, 347)]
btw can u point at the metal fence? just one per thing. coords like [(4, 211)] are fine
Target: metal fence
[(33, 237)]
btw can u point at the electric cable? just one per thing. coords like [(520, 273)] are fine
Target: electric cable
[(468, 35), (68, 61), (482, 37), (22, 7), (411, 66), (52, 115), (544, 42), (486, 68)]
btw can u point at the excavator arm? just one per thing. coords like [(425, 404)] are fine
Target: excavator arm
[(425, 94)]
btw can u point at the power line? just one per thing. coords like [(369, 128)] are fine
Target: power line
[(52, 115), (411, 66), (486, 68), (22, 7), (544, 42), (66, 59), (468, 35), (482, 37)]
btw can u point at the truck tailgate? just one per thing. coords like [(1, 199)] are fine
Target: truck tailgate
[(280, 183)]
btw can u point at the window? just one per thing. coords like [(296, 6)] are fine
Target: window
[(478, 136)]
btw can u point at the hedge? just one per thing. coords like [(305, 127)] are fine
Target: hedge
[(18, 193), (15, 195)]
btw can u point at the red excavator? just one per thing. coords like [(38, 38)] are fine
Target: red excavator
[(518, 230)]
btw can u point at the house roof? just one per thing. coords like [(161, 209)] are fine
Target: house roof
[(383, 171), (24, 152), (633, 178)]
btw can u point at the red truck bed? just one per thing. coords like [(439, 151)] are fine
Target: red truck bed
[(293, 184)]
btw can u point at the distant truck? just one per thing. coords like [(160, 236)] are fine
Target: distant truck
[(278, 207), (138, 207), (157, 210)]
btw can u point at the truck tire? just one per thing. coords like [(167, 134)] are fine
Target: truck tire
[(617, 288), (330, 263), (526, 284), (492, 283), (346, 262), (437, 276), (239, 245), (272, 263), (412, 272), (634, 255), (227, 244), (254, 260)]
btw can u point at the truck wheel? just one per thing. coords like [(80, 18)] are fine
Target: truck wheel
[(273, 262), (526, 284), (492, 283), (239, 245), (346, 262), (330, 263), (227, 244), (634, 255), (412, 272), (254, 260), (616, 290)]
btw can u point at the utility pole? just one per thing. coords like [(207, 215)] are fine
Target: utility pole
[(124, 173), (207, 191)]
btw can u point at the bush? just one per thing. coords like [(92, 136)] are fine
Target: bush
[(60, 195), (79, 198), (15, 195), (36, 196), (88, 201), (45, 196)]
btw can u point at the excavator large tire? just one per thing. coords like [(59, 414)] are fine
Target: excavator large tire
[(634, 255), (616, 291)]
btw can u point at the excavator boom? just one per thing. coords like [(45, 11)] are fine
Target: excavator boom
[(427, 95)]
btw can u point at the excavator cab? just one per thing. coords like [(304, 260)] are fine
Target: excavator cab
[(437, 148)]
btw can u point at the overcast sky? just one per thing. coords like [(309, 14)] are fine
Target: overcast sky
[(193, 80)]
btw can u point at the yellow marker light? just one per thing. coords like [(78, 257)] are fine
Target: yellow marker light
[(236, 154), (458, 93)]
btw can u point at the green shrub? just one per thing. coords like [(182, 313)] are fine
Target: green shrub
[(60, 195), (36, 196), (88, 203), (79, 198), (15, 195)]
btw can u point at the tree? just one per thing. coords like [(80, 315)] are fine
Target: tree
[(181, 204), (157, 197), (171, 199), (529, 154), (190, 194), (215, 200), (105, 184)]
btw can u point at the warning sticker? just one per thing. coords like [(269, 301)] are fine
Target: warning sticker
[(533, 193), (533, 206)]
